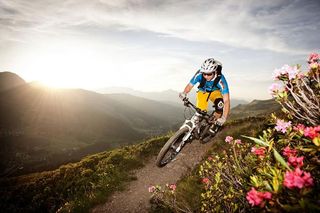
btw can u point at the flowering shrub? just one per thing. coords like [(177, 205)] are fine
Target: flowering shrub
[(291, 180), (165, 197), (275, 182), (298, 93), (223, 178)]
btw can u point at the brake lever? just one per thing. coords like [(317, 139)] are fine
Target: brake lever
[(186, 103)]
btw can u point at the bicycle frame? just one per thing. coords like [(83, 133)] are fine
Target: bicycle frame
[(197, 127), (193, 123)]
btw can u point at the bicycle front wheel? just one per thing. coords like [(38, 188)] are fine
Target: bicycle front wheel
[(169, 150)]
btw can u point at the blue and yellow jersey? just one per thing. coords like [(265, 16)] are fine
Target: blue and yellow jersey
[(222, 85)]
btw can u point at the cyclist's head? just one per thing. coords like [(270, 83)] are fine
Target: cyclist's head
[(210, 66)]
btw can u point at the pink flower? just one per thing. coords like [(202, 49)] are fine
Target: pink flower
[(238, 141), (228, 139), (210, 158), (297, 179), (296, 161), (259, 151), (314, 65), (256, 198), (300, 75), (312, 132), (286, 70), (277, 73), (289, 152), (313, 57), (205, 180), (151, 189), (300, 128), (293, 72), (282, 126), (172, 187), (274, 88), (308, 181)]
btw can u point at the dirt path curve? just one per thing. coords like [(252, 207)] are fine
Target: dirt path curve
[(136, 197)]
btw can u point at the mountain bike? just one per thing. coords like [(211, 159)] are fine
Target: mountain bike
[(201, 126)]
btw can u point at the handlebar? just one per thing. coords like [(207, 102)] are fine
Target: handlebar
[(188, 104)]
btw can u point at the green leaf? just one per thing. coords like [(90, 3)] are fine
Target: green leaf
[(257, 141), (267, 185), (280, 159)]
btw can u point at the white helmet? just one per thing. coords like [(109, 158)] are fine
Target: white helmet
[(210, 65)]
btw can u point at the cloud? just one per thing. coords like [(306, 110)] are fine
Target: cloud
[(271, 25), (164, 40)]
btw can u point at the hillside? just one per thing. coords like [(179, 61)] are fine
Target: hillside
[(9, 80), (41, 128), (254, 108), (79, 186)]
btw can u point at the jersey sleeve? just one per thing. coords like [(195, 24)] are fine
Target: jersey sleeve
[(196, 78), (223, 85)]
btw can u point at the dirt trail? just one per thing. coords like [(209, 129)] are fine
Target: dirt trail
[(136, 197)]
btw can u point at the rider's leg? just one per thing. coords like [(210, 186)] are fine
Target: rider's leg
[(216, 98), (218, 104), (202, 102)]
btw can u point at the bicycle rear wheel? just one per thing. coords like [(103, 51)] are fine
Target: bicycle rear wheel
[(168, 151)]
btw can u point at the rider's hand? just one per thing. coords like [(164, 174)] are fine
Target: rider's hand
[(182, 95), (221, 121)]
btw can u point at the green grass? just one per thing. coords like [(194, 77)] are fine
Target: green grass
[(76, 187)]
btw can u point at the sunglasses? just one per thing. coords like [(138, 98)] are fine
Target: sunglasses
[(208, 74)]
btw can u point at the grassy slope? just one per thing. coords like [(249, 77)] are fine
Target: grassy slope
[(76, 186), (79, 186)]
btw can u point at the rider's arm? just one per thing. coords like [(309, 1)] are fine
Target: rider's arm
[(226, 107), (188, 88), (223, 85), (195, 79)]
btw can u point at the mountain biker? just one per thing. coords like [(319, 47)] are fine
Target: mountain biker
[(213, 86)]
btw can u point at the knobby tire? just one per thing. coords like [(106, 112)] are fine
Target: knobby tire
[(166, 148)]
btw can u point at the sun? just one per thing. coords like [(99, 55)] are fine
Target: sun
[(89, 65), (68, 65)]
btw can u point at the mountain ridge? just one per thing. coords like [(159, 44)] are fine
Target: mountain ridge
[(9, 80), (169, 96), (39, 121)]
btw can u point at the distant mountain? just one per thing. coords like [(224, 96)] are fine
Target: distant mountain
[(9, 80), (254, 108), (168, 96), (156, 110), (41, 127)]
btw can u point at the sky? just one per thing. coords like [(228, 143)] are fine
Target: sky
[(155, 45)]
